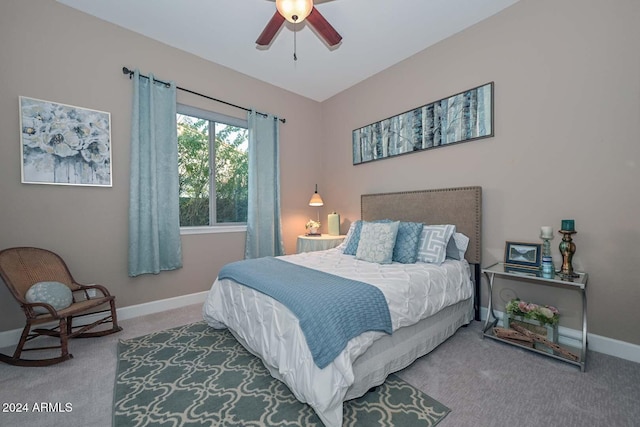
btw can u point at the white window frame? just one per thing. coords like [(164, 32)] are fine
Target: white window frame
[(227, 120)]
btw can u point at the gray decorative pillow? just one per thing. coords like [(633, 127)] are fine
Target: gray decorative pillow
[(377, 241), (56, 294), (433, 243), (457, 246)]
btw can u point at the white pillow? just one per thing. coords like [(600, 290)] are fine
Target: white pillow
[(377, 240), (56, 294), (433, 243), (457, 246)]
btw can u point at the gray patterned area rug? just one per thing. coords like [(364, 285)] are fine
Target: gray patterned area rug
[(195, 375)]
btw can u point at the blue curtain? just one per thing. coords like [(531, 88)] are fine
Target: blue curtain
[(264, 231), (154, 211)]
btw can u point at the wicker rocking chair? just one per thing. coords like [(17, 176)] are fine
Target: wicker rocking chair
[(20, 268)]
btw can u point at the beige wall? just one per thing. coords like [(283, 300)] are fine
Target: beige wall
[(567, 109), (53, 52), (566, 145)]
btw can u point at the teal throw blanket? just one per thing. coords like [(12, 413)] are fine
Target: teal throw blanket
[(331, 309)]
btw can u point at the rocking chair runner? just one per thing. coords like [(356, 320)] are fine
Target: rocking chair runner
[(21, 268)]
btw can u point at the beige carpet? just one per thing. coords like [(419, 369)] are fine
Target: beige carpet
[(485, 383)]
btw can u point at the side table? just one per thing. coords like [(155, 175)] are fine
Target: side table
[(317, 243), (578, 284)]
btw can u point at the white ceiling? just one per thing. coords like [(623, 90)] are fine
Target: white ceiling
[(376, 34)]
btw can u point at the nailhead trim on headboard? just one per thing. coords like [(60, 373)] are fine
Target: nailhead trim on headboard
[(461, 206)]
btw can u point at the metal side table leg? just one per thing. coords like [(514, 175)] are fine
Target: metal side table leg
[(490, 314)]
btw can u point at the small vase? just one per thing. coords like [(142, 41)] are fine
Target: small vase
[(313, 230)]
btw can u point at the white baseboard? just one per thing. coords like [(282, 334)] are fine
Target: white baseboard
[(161, 305), (612, 347), (598, 343), (11, 338)]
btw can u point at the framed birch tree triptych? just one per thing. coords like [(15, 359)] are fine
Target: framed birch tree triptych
[(463, 117)]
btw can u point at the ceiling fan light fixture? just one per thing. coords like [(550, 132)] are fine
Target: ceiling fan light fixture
[(294, 11)]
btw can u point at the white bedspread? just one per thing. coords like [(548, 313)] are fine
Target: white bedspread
[(270, 330)]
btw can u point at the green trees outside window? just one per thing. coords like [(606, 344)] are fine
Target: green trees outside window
[(213, 168)]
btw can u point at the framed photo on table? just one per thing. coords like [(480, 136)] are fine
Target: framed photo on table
[(522, 254)]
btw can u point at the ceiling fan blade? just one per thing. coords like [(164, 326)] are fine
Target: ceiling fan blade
[(322, 26), (270, 30)]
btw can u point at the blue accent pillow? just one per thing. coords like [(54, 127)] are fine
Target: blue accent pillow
[(351, 246), (56, 294), (342, 245), (433, 243), (406, 249), (377, 241)]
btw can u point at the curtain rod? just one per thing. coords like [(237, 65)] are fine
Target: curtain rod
[(125, 70)]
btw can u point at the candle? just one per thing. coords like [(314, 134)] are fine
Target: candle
[(568, 225), (333, 222), (546, 232)]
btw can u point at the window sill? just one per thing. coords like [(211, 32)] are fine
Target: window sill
[(214, 229)]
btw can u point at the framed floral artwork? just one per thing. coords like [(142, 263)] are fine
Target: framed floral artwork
[(64, 145)]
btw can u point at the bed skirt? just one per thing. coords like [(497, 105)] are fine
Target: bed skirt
[(392, 353), (395, 352)]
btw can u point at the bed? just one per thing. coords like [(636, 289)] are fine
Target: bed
[(272, 332)]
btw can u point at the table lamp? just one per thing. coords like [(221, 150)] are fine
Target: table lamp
[(316, 200)]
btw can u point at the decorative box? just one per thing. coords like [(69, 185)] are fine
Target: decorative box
[(550, 332)]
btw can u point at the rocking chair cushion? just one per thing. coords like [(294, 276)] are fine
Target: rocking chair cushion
[(56, 294)]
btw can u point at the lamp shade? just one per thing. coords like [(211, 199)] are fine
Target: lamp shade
[(294, 10), (316, 200)]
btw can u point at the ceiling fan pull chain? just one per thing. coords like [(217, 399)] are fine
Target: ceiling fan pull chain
[(295, 57)]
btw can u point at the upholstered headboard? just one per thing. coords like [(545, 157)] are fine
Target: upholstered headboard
[(461, 206)]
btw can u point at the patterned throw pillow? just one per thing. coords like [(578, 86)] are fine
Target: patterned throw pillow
[(406, 249), (377, 241), (56, 294), (433, 243), (353, 238), (457, 246), (343, 245)]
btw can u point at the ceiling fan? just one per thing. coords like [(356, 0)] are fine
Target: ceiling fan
[(296, 11)]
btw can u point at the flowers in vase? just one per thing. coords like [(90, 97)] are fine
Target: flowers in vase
[(547, 315), (312, 226)]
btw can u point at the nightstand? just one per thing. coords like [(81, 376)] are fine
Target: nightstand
[(534, 277), (317, 243)]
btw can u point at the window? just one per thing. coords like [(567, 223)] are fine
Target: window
[(213, 168)]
